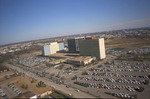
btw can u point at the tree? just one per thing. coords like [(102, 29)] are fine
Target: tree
[(146, 82), (32, 81), (74, 78), (24, 86), (84, 73)]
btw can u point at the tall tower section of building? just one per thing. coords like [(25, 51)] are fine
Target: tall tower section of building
[(92, 47), (54, 47), (73, 44)]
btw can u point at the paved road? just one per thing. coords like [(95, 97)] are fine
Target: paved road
[(62, 88)]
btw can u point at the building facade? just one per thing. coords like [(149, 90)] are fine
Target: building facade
[(52, 48), (73, 44), (80, 60), (46, 50), (61, 46), (92, 47)]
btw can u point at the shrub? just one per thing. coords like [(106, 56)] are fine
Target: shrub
[(49, 65), (146, 82), (32, 81), (81, 84), (74, 78), (84, 73), (24, 86), (149, 76), (140, 89), (92, 69), (41, 84)]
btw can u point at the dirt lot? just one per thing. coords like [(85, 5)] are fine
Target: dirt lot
[(2, 74), (31, 86), (12, 78)]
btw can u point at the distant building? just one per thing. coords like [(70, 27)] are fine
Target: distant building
[(52, 48), (61, 46), (92, 47), (73, 44), (89, 37), (46, 50)]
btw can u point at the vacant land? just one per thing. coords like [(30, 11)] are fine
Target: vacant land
[(10, 77), (32, 53), (32, 86), (3, 74), (127, 43)]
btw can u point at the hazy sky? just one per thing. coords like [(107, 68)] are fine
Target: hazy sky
[(23, 20)]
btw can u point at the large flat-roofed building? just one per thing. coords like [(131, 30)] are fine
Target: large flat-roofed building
[(92, 47), (52, 48), (73, 44), (61, 46), (46, 50), (80, 60)]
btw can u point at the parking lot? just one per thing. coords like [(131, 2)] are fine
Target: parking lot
[(128, 78), (37, 65), (31, 60), (105, 79), (10, 91)]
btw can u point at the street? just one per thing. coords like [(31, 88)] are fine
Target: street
[(62, 88)]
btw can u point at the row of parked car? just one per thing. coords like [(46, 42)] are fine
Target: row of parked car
[(123, 95), (128, 66), (2, 93), (96, 79), (16, 90), (101, 74), (111, 86), (31, 60), (132, 81), (114, 70), (135, 65), (114, 74)]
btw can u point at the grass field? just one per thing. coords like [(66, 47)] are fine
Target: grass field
[(127, 43), (32, 53)]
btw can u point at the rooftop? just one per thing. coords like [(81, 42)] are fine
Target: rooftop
[(27, 94)]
